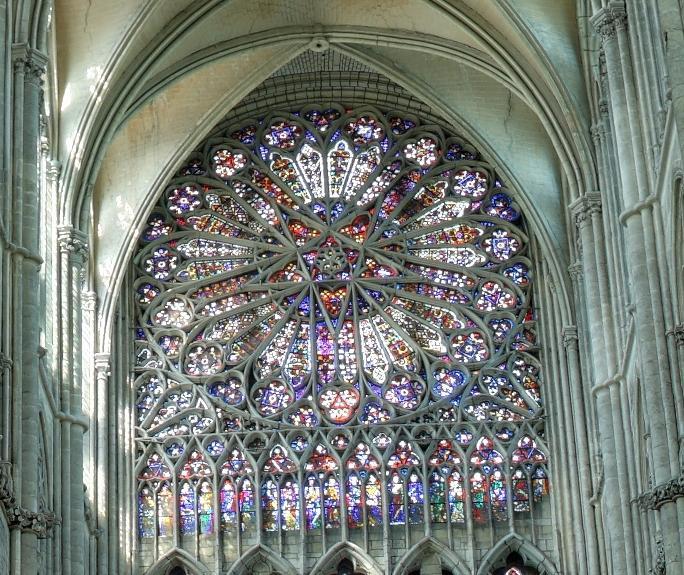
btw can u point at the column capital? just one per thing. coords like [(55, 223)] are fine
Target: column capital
[(609, 19), (89, 300), (30, 62), (585, 207), (102, 365), (54, 170), (662, 494), (72, 242), (38, 522)]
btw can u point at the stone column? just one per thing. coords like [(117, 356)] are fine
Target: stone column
[(587, 535), (101, 458), (29, 69), (73, 253), (642, 264), (587, 211)]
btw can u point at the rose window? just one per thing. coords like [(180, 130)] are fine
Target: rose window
[(331, 268)]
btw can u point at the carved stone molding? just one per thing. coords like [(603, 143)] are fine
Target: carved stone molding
[(570, 336), (38, 522), (678, 333), (6, 483), (30, 62), (609, 19), (576, 271), (72, 242), (89, 301), (584, 208), (102, 364), (662, 494), (5, 362), (659, 566), (54, 170)]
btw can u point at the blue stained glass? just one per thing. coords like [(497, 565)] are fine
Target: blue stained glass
[(437, 498), (331, 502), (146, 513), (312, 502), (367, 231), (228, 505), (186, 506), (165, 507), (415, 498), (205, 508), (247, 505), (395, 489), (354, 500), (289, 505), (269, 506)]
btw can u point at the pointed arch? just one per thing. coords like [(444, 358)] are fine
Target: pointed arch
[(243, 566), (513, 542), (178, 558), (425, 548), (346, 550)]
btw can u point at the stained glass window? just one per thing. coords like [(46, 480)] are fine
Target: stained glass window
[(310, 283)]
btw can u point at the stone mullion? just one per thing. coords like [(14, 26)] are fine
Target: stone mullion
[(642, 265), (100, 461), (611, 504), (73, 253)]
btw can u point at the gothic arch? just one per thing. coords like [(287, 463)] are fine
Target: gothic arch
[(260, 553), (513, 542), (426, 547), (346, 550), (178, 558)]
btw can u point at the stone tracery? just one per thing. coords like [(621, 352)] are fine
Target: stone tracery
[(308, 277)]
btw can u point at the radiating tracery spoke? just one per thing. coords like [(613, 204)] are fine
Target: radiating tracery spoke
[(329, 268)]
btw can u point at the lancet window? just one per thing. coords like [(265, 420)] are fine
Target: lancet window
[(334, 329)]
